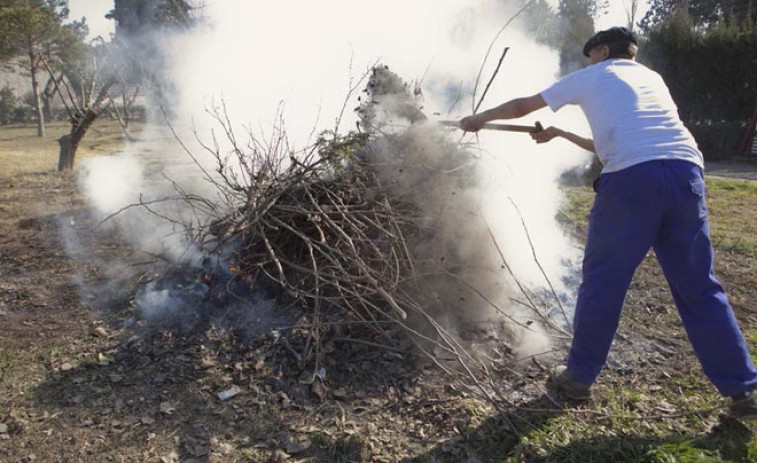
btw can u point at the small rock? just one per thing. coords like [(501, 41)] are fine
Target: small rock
[(294, 447), (166, 408), (3, 428), (66, 366), (147, 420), (101, 332)]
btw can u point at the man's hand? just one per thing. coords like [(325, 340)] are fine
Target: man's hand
[(543, 136), (472, 123)]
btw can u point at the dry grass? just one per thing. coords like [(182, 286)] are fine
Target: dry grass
[(733, 208), (23, 152), (732, 205)]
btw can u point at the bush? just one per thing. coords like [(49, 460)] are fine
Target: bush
[(712, 76), (7, 104), (22, 115), (718, 141)]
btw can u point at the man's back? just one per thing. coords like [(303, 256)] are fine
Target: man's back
[(632, 116)]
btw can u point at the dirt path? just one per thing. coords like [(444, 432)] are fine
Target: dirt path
[(743, 170)]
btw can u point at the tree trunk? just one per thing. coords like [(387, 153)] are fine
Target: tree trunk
[(35, 92), (81, 121), (48, 95), (70, 143), (67, 152)]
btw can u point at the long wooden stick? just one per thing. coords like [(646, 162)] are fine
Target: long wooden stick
[(504, 127)]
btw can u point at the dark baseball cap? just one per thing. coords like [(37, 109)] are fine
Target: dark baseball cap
[(613, 34)]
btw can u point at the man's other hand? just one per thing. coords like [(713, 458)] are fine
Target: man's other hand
[(543, 136), (471, 123)]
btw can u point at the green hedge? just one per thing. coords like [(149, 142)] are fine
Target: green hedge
[(712, 75)]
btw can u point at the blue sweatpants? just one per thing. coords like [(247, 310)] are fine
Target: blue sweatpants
[(658, 204)]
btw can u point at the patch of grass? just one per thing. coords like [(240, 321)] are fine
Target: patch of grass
[(254, 455), (576, 206), (733, 215), (629, 425), (344, 449), (732, 205), (682, 451), (8, 360), (23, 152), (751, 340)]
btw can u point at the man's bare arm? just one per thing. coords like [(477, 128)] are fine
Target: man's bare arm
[(512, 109), (549, 133)]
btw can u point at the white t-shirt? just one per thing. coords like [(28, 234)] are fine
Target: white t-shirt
[(632, 116)]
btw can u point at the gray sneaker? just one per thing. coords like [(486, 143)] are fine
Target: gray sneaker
[(563, 381), (744, 406)]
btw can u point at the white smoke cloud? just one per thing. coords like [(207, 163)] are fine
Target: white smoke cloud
[(303, 56), (110, 182)]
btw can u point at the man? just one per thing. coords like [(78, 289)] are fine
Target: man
[(651, 193)]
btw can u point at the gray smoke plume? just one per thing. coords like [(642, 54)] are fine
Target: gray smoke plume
[(461, 278), (269, 65)]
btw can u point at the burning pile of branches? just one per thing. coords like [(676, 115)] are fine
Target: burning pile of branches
[(379, 227), (320, 226)]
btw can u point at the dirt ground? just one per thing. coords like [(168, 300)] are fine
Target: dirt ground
[(79, 384)]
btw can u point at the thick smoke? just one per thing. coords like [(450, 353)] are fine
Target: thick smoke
[(296, 62)]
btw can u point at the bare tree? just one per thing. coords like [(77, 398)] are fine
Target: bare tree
[(83, 107)]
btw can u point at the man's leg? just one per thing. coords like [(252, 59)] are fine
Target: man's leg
[(622, 227), (685, 253)]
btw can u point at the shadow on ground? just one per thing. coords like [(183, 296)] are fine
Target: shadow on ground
[(493, 442)]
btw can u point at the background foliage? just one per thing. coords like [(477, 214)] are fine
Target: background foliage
[(706, 50)]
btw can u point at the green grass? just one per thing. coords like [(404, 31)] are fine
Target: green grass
[(732, 205), (8, 361), (733, 215), (624, 436)]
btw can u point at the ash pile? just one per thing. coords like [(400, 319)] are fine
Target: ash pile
[(375, 236)]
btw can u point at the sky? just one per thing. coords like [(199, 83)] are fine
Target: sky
[(95, 11)]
